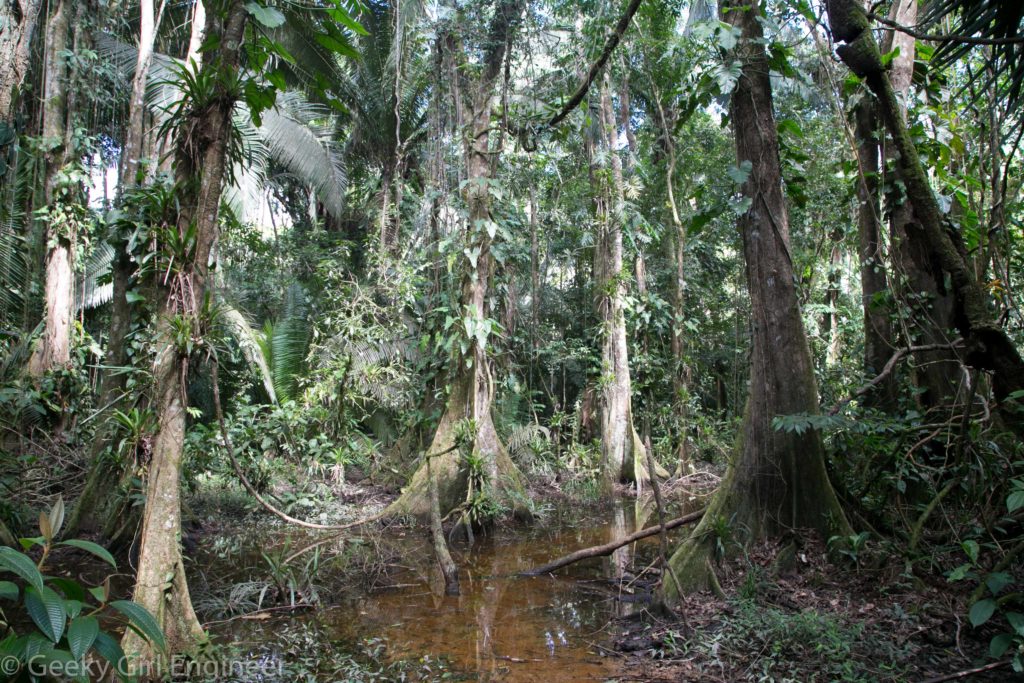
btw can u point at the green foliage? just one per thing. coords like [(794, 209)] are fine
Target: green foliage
[(65, 614)]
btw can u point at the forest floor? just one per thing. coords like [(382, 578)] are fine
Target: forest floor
[(866, 620), (816, 622)]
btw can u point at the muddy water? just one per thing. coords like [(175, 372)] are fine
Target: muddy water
[(502, 627)]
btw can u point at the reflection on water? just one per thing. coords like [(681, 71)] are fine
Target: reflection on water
[(505, 627), (502, 627)]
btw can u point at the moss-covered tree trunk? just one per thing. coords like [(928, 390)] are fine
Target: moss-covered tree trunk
[(776, 481), (472, 388), (918, 277), (53, 348), (200, 159), (988, 347)]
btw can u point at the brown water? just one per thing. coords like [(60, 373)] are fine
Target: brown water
[(503, 627)]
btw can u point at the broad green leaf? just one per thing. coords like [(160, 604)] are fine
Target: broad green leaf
[(1015, 501), (44, 526), (74, 608), (101, 593), (1000, 644), (20, 564), (65, 660), (997, 581), (71, 589), (335, 45), (8, 590), (340, 15), (82, 634), (959, 573), (1016, 620), (110, 650), (268, 16), (140, 617), (971, 549), (36, 645), (47, 611), (90, 547), (739, 174), (981, 612)]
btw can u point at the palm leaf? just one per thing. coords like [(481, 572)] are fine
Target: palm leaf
[(249, 342), (92, 294), (289, 343)]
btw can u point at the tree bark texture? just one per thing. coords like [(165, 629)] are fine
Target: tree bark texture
[(53, 348), (919, 278), (18, 19), (875, 297), (776, 481), (622, 451)]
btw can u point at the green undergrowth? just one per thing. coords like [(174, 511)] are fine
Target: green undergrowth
[(777, 644)]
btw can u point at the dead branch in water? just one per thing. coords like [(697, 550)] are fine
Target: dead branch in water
[(609, 548)]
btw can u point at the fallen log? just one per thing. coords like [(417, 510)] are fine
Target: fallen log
[(609, 548)]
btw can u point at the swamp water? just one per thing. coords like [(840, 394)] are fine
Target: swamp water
[(501, 627)]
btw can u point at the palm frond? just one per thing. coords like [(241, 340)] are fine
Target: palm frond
[(295, 133), (92, 294), (987, 19), (13, 272), (523, 439), (249, 341), (298, 143), (289, 343)]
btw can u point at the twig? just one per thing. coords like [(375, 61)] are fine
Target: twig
[(947, 38), (968, 672), (260, 614)]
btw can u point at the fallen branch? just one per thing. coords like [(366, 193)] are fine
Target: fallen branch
[(609, 548), (889, 366), (968, 672)]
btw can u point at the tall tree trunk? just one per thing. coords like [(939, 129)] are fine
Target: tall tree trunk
[(53, 348), (134, 136), (680, 368), (18, 20), (161, 585), (878, 332), (777, 480), (623, 458), (835, 264), (919, 278), (96, 503), (987, 345), (472, 390)]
